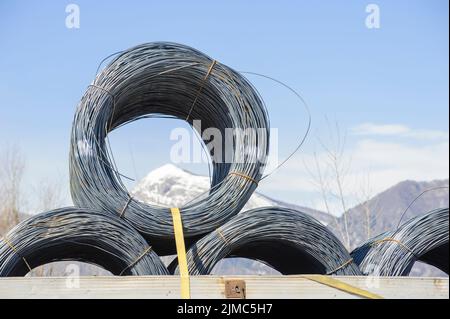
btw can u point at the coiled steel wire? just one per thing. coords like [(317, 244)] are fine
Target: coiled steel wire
[(287, 240), (174, 81), (79, 235), (423, 238)]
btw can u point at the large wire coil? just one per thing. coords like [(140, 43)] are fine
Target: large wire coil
[(173, 81), (287, 240), (423, 238), (78, 235)]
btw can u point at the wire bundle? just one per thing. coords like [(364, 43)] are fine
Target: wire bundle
[(423, 238), (79, 235), (173, 81), (285, 239)]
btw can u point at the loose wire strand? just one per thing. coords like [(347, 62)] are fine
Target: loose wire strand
[(303, 138)]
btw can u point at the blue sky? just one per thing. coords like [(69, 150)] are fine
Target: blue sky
[(387, 87)]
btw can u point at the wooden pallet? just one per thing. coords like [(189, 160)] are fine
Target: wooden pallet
[(214, 287)]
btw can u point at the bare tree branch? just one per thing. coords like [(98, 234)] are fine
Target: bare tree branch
[(12, 167)]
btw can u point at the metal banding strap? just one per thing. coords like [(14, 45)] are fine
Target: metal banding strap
[(201, 88), (104, 90), (6, 240), (245, 176), (107, 126), (125, 207), (390, 239), (181, 253), (136, 260), (225, 241), (348, 262), (337, 284)]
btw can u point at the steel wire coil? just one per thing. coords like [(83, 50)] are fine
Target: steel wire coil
[(423, 238), (79, 235), (287, 240), (173, 81)]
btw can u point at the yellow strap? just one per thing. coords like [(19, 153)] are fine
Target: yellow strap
[(337, 284), (181, 252)]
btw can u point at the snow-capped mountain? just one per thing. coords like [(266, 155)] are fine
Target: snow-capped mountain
[(172, 186)]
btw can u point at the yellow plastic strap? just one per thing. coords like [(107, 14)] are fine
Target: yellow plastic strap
[(181, 252), (337, 284)]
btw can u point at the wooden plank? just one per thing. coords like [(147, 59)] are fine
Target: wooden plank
[(213, 287)]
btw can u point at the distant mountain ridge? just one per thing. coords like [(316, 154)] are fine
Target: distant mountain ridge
[(170, 185), (387, 207)]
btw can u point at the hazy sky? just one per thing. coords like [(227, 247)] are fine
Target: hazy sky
[(387, 87)]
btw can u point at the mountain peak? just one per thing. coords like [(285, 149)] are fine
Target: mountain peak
[(167, 170), (171, 186)]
